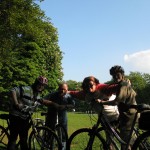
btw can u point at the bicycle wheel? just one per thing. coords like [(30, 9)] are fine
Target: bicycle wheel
[(61, 133), (81, 138), (142, 142), (44, 139), (3, 137)]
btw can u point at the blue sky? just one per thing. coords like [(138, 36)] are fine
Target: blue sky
[(97, 34)]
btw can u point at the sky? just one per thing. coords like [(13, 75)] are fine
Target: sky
[(95, 35)]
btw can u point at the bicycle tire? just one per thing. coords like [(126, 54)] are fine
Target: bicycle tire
[(142, 142), (4, 135), (80, 138), (61, 133), (44, 138)]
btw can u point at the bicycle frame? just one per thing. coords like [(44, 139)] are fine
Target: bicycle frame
[(112, 132)]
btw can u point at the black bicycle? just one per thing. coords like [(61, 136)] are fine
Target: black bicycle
[(144, 139), (4, 133), (59, 130), (95, 138), (40, 137)]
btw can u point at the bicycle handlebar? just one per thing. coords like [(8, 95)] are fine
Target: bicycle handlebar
[(140, 107), (30, 109)]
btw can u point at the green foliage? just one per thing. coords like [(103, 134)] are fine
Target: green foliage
[(74, 85), (29, 46), (141, 84)]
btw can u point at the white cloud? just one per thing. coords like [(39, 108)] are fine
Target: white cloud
[(139, 61)]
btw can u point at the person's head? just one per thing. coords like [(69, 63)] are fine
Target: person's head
[(89, 84), (62, 88), (117, 73), (40, 83)]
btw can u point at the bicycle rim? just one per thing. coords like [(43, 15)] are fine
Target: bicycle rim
[(142, 142), (79, 141), (3, 138), (43, 139)]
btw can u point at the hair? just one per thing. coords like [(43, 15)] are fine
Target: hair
[(87, 80), (61, 84), (115, 69)]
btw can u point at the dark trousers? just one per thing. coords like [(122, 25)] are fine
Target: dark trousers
[(18, 126)]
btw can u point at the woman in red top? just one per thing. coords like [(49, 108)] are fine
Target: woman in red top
[(93, 90)]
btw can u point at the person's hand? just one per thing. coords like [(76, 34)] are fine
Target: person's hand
[(68, 92), (98, 100)]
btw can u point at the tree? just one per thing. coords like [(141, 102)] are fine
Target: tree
[(29, 46), (140, 83)]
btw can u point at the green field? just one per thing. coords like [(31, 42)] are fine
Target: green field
[(75, 120), (80, 120)]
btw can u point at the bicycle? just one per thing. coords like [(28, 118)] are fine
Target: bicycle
[(4, 131), (41, 137), (95, 138), (4, 135), (144, 139), (59, 130)]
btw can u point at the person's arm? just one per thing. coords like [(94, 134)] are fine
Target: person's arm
[(107, 89), (113, 102), (69, 106), (77, 94), (51, 103), (14, 99)]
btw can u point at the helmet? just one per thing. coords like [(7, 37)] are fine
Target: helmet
[(42, 80), (115, 69)]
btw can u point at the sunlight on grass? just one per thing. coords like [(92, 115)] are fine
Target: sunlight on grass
[(80, 120)]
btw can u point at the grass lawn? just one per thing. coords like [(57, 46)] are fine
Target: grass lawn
[(80, 120), (75, 120)]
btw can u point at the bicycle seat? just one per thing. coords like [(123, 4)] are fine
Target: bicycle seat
[(4, 116)]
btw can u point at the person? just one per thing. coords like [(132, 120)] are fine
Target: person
[(60, 97), (126, 96), (94, 92), (19, 121), (112, 115), (118, 75)]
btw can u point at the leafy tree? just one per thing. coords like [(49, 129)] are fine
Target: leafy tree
[(141, 84), (29, 46)]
